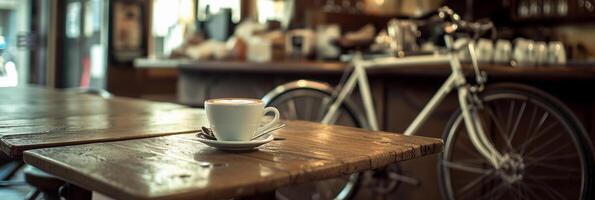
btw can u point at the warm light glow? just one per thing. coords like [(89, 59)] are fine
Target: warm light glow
[(379, 2), (12, 78), (186, 11), (274, 10), (302, 83), (162, 17)]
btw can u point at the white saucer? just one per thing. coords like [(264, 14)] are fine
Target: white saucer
[(237, 145)]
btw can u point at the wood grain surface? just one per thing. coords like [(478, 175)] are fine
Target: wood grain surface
[(34, 117), (180, 167), (34, 102)]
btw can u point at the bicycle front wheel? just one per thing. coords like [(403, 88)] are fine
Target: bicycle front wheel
[(310, 101), (547, 154)]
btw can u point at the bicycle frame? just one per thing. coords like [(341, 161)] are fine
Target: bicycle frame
[(456, 80)]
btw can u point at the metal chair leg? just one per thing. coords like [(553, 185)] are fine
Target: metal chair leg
[(13, 168), (33, 195), (10, 169)]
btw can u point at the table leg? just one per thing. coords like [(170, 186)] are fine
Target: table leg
[(74, 192)]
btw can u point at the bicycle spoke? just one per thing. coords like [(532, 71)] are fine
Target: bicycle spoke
[(308, 108), (548, 177), (516, 124), (541, 122), (536, 135), (556, 150), (499, 127), (537, 159), (473, 161), (531, 122), (530, 192), (555, 167), (545, 144), (511, 189), (323, 108), (475, 182), (469, 151), (292, 109), (466, 168), (285, 115), (547, 190), (509, 119), (469, 193), (518, 191), (495, 189), (473, 188), (533, 129), (466, 148)]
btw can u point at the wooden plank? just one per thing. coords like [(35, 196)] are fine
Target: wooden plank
[(80, 109), (179, 167), (35, 117), (32, 103), (20, 135)]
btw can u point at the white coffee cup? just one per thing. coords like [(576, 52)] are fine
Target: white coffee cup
[(238, 119)]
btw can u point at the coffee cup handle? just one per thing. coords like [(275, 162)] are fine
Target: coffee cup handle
[(272, 122)]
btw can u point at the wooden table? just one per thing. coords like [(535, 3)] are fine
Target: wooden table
[(35, 117), (179, 167)]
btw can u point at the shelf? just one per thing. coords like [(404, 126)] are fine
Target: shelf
[(333, 67)]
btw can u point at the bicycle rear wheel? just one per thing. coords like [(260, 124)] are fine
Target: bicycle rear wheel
[(548, 153), (309, 101)]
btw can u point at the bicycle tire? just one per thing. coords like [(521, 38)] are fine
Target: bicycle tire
[(540, 100)]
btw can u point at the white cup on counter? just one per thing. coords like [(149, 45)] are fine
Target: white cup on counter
[(502, 51), (524, 54), (325, 35), (556, 53), (259, 50), (485, 50), (541, 53)]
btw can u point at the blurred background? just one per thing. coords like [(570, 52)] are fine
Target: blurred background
[(78, 43), (186, 51)]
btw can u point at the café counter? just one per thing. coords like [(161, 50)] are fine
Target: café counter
[(399, 93)]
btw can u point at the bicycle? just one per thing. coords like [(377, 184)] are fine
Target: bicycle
[(487, 152)]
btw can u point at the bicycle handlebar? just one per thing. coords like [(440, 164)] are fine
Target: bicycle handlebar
[(454, 23)]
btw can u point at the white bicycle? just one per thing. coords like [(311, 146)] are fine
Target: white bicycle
[(505, 141)]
